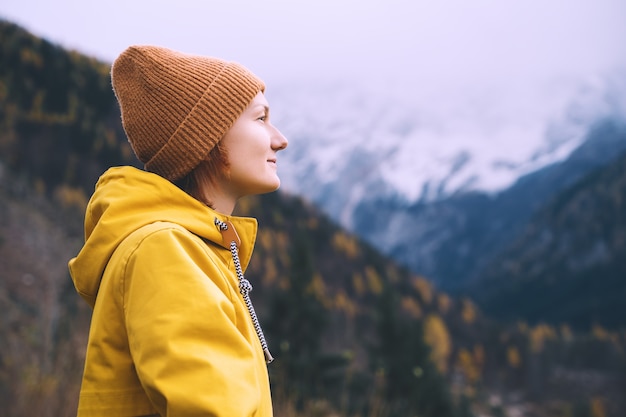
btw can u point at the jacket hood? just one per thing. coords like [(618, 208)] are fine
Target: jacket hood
[(126, 199)]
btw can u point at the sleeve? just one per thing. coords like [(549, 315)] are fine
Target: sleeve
[(180, 312)]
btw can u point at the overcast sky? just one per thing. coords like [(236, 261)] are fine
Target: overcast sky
[(413, 43), (491, 77)]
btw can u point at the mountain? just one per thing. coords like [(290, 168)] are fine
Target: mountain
[(569, 263), (452, 239), (353, 332), (443, 193)]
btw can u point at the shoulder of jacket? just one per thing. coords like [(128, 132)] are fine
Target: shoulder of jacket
[(146, 230), (151, 229), (165, 231)]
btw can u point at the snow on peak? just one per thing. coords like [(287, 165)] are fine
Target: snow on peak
[(347, 143)]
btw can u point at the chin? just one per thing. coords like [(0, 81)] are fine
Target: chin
[(268, 187), (274, 184), (274, 187)]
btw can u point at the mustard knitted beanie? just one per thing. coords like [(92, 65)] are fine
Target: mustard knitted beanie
[(176, 107)]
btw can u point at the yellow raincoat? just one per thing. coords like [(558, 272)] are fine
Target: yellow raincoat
[(170, 333)]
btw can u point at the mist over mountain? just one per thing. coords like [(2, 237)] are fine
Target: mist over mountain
[(442, 184)]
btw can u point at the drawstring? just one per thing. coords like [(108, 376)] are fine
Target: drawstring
[(244, 285)]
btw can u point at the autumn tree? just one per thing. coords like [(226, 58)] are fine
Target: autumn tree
[(402, 357)]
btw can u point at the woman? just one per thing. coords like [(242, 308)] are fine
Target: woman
[(173, 331)]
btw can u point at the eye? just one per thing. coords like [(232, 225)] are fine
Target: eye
[(263, 117)]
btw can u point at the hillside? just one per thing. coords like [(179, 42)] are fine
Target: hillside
[(354, 334), (59, 118), (570, 262)]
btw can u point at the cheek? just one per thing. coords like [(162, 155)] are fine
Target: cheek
[(248, 147), (246, 161)]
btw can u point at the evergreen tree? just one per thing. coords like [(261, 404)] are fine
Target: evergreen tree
[(412, 385), (297, 322)]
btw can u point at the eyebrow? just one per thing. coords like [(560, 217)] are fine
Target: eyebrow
[(263, 106)]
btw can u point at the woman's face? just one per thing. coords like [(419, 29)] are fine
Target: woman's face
[(251, 145)]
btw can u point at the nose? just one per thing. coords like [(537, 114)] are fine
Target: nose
[(279, 142)]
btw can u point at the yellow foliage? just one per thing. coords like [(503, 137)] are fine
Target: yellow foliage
[(343, 303), (513, 357), (346, 245), (282, 240), (111, 139), (243, 205), (270, 273), (37, 114), (468, 312), (273, 242), (28, 55), (127, 151), (411, 306), (284, 283), (374, 282), (444, 303), (438, 338), (469, 391), (38, 384), (36, 111), (280, 245), (3, 91), (600, 332), (264, 237), (466, 363), (358, 284), (597, 407), (317, 288), (424, 288), (71, 197), (104, 70), (538, 336)]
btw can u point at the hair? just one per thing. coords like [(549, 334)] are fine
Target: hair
[(203, 176)]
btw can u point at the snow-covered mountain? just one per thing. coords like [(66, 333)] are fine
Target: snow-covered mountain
[(348, 144), (443, 183)]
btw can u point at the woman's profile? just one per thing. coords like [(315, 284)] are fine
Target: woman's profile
[(173, 330)]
